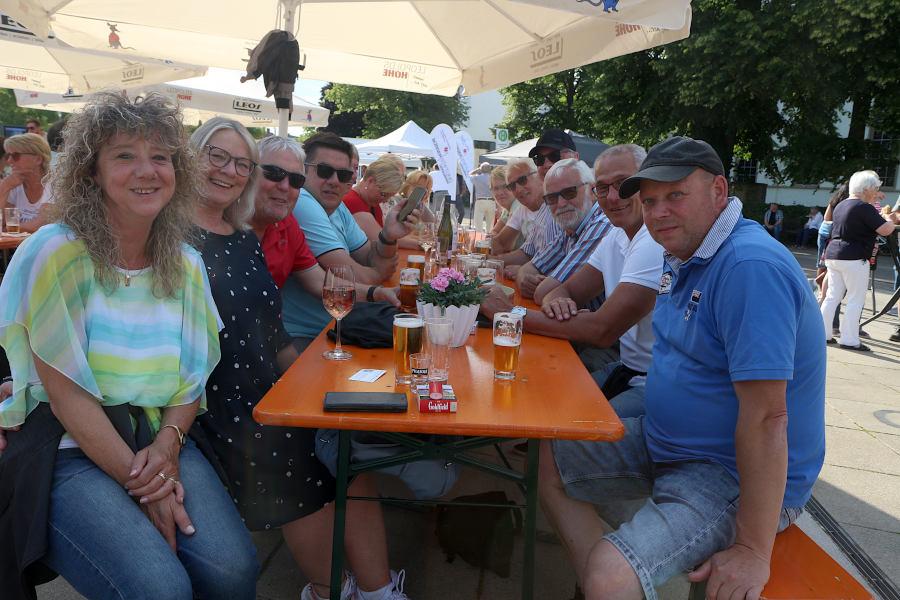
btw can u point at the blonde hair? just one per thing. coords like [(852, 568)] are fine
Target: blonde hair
[(417, 178), (239, 213), (79, 200), (30, 143), (388, 172), (498, 174)]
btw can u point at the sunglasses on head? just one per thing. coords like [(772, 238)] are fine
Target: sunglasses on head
[(277, 174), (540, 159), (511, 186), (325, 171), (568, 193)]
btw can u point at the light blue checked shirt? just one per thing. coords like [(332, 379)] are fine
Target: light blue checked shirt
[(544, 229), (565, 252)]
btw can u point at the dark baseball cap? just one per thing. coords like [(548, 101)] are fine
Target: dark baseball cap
[(553, 138), (673, 160)]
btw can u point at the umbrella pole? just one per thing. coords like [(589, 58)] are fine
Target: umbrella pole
[(288, 6)]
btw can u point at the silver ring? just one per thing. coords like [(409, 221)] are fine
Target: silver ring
[(162, 476)]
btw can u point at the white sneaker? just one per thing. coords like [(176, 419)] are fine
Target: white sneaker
[(348, 591), (398, 579)]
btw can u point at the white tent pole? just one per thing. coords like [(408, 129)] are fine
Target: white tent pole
[(288, 7)]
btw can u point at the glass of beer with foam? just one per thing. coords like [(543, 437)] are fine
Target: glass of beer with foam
[(507, 340), (409, 289), (409, 333), (417, 261)]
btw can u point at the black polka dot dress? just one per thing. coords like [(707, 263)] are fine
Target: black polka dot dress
[(273, 473)]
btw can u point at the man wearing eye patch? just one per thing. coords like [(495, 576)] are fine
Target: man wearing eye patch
[(332, 234)]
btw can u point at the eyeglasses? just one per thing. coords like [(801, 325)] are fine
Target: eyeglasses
[(540, 159), (511, 186), (602, 189), (325, 171), (568, 193), (14, 156), (220, 158), (277, 174)]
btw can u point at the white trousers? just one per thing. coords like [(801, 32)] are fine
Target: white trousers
[(852, 277), (483, 214)]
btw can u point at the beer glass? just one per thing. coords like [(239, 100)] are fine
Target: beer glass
[(483, 246), (496, 264), (507, 339), (409, 333), (12, 220), (409, 289), (438, 333), (417, 261), (420, 365), (338, 296)]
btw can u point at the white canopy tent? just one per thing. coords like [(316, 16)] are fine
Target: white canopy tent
[(407, 140), (197, 105), (49, 65), (426, 46)]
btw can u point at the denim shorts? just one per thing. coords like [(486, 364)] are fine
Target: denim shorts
[(689, 512)]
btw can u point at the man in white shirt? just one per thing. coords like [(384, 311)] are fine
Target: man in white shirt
[(810, 230)]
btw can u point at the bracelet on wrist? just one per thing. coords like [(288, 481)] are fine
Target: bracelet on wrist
[(384, 240), (370, 294), (178, 432)]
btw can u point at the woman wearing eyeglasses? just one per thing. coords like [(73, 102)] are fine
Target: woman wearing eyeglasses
[(508, 205), (24, 188), (381, 182)]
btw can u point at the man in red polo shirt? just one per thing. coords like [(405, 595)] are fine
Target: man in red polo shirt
[(282, 240)]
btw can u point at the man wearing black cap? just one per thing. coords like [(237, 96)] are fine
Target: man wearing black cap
[(738, 356), (553, 146)]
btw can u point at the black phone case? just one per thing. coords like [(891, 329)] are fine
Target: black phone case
[(365, 402), (401, 216)]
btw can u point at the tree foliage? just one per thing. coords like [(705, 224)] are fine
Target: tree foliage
[(765, 79), (383, 111)]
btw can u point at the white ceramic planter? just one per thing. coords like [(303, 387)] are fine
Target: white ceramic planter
[(463, 318)]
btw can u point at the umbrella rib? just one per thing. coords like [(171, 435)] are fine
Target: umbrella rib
[(514, 21), (436, 36)]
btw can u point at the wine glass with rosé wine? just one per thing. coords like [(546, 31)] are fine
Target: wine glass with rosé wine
[(338, 296)]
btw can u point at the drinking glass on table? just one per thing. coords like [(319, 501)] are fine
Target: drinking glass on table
[(409, 289), (408, 337), (338, 296), (507, 340), (438, 333), (11, 216)]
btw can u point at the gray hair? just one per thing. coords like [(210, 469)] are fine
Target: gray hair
[(273, 143), (240, 212), (514, 163), (638, 153), (862, 181), (587, 176)]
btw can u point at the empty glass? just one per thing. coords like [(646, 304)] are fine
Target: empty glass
[(438, 333)]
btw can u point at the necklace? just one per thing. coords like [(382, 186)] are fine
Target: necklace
[(129, 273)]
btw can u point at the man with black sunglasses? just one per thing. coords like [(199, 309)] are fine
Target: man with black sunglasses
[(334, 237), (553, 145)]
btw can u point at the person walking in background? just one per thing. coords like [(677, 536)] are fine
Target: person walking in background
[(773, 221), (856, 224)]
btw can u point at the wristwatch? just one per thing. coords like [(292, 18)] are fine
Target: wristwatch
[(520, 311), (370, 294), (384, 240)]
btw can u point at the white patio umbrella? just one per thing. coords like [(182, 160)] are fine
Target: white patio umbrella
[(427, 46), (197, 105), (34, 63)]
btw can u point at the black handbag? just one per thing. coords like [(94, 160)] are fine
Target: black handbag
[(369, 325)]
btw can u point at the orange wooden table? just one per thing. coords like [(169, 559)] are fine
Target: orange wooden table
[(552, 397), (7, 243)]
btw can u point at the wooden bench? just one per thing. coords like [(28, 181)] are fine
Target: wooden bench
[(801, 570)]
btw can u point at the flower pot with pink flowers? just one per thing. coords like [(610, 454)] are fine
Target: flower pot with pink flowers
[(449, 294)]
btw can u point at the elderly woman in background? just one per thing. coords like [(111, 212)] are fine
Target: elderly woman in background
[(381, 182), (272, 472), (508, 204), (417, 178), (856, 224), (111, 335), (25, 188)]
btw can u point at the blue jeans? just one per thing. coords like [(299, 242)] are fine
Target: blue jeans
[(688, 517), (105, 547)]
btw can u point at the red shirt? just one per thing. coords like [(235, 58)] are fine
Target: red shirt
[(356, 204), (285, 249)]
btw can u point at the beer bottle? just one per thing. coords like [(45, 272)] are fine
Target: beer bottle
[(445, 232)]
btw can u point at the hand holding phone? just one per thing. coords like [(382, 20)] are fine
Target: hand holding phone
[(412, 202)]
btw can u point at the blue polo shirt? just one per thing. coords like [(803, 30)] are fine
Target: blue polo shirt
[(740, 309), (303, 314)]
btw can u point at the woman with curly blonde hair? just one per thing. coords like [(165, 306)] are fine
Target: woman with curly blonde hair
[(111, 334), (26, 187)]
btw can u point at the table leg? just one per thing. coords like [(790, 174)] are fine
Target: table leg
[(531, 482), (340, 513)]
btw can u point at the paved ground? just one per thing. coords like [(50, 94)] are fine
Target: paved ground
[(859, 485)]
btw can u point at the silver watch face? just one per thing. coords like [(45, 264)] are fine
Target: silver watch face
[(519, 310)]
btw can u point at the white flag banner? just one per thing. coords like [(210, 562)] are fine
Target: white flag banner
[(444, 142), (465, 150)]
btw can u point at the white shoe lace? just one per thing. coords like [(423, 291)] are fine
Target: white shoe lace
[(399, 580), (348, 590)]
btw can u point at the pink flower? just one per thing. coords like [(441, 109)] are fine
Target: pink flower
[(441, 281), (451, 273)]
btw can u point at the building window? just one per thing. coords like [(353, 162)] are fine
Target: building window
[(882, 156), (745, 171)]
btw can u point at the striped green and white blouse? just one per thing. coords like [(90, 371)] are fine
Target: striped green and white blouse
[(127, 346)]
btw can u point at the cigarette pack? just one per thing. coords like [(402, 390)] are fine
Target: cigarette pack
[(436, 398)]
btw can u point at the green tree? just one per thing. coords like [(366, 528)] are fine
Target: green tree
[(386, 110), (346, 123), (11, 114)]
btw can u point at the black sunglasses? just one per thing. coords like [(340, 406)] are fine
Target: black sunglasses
[(511, 186), (568, 193), (277, 174), (325, 171), (540, 159)]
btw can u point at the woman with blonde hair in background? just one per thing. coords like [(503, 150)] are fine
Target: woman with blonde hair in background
[(508, 205), (381, 182), (26, 188), (417, 178)]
